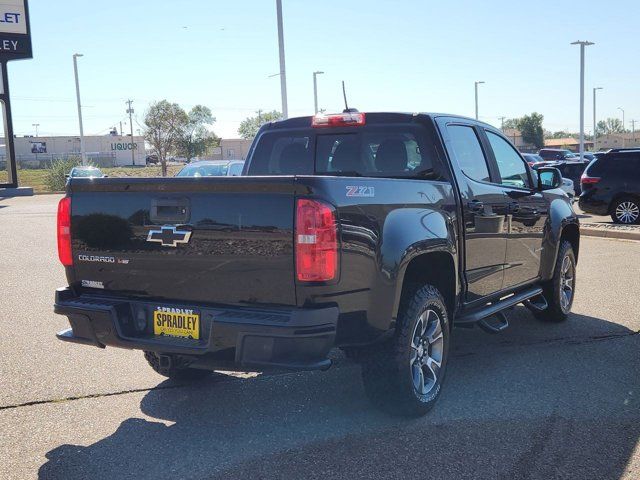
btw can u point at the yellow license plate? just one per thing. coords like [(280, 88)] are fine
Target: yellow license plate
[(176, 322)]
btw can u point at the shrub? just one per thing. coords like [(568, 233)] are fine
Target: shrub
[(55, 178)]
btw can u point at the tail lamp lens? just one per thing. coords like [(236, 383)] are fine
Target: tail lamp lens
[(586, 180), (316, 241), (346, 119), (64, 232)]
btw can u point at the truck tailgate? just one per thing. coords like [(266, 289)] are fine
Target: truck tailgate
[(209, 240)]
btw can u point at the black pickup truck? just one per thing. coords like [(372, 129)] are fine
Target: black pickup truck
[(375, 233)]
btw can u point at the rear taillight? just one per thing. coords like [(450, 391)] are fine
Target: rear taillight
[(586, 180), (346, 119), (64, 232), (316, 241)]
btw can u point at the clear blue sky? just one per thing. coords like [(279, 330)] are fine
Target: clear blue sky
[(406, 55)]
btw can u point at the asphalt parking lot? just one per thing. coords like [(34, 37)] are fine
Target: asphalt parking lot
[(538, 401)]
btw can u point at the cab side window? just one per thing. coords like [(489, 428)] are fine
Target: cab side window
[(513, 170)]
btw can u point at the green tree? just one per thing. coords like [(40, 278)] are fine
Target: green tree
[(55, 177), (530, 127), (195, 138), (558, 134), (249, 126), (610, 125), (165, 125), (511, 123)]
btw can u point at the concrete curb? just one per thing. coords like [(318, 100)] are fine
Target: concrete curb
[(16, 192), (610, 233)]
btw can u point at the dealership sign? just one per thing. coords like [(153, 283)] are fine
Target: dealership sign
[(15, 34)]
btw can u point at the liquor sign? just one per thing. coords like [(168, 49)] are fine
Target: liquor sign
[(15, 32)]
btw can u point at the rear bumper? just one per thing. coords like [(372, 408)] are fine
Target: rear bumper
[(251, 338), (589, 202)]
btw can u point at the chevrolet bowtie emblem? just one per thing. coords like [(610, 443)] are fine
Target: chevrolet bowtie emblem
[(169, 236)]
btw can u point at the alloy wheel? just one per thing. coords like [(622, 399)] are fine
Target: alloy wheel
[(427, 350), (567, 277), (627, 212)]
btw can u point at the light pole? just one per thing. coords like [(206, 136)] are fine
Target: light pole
[(133, 144), (582, 44), (36, 125), (315, 91), (75, 71), (283, 74), (595, 125), (476, 88), (622, 110)]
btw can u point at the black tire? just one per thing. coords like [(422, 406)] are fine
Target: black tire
[(626, 211), (558, 308), (175, 370), (389, 371)]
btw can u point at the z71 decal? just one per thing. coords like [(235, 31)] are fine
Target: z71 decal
[(360, 191)]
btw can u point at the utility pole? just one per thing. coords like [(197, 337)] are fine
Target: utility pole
[(476, 89), (83, 155), (582, 45), (133, 144), (595, 124), (315, 91), (121, 128), (283, 73), (36, 125), (502, 123)]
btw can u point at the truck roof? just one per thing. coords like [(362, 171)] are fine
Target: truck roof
[(372, 117)]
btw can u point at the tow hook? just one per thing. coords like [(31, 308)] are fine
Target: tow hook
[(165, 361)]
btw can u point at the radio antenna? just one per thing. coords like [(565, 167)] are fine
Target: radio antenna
[(344, 94)]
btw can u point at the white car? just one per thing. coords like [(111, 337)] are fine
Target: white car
[(567, 186)]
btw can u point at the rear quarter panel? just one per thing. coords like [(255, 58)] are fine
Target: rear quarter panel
[(384, 224)]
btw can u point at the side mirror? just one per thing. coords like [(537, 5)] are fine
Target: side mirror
[(549, 178)]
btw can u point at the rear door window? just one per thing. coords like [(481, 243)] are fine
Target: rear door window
[(468, 151)]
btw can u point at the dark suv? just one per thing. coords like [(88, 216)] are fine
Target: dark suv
[(611, 186), (557, 154)]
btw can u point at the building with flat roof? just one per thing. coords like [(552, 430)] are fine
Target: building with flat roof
[(515, 136), (569, 143), (104, 150), (618, 140)]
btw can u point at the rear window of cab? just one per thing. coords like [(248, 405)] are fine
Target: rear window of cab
[(372, 151)]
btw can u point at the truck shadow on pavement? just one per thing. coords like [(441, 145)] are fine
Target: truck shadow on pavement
[(538, 401)]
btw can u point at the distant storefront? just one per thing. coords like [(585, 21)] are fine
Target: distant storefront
[(105, 150)]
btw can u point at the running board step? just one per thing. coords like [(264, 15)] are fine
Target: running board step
[(494, 327), (471, 317), (538, 303)]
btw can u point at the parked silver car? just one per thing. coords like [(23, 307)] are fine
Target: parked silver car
[(213, 168)]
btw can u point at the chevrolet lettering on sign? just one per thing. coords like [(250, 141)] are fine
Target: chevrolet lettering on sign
[(15, 34)]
